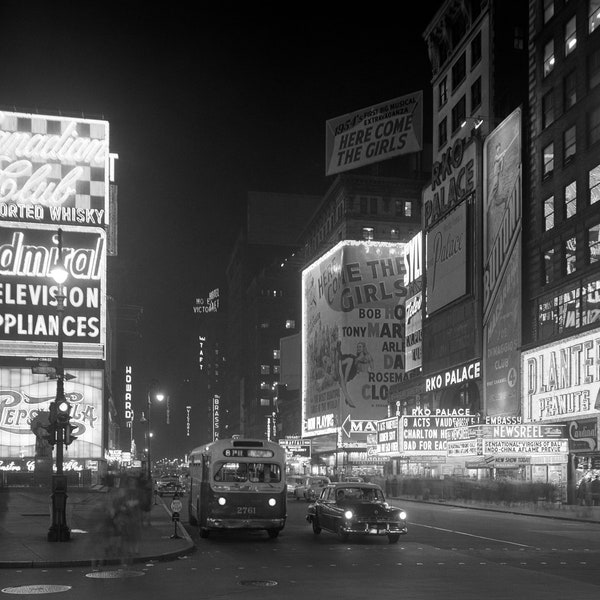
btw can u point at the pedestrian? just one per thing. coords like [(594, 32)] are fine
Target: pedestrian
[(595, 488), (581, 493)]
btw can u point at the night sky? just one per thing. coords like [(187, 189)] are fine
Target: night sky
[(201, 111)]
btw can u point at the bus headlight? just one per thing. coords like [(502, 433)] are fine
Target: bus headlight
[(272, 502), (348, 514), (222, 501)]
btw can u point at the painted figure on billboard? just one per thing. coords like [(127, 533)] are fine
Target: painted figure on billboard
[(349, 365)]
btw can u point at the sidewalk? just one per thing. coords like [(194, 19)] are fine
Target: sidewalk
[(25, 517)]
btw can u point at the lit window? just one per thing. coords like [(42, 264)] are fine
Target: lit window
[(265, 370), (276, 369), (570, 199), (548, 10), (549, 213), (548, 57), (265, 402), (276, 354), (408, 208), (367, 233), (570, 90), (549, 266), (264, 325), (594, 244), (570, 36), (394, 234), (290, 324), (548, 159), (570, 144), (594, 184), (594, 15), (570, 255), (264, 385)]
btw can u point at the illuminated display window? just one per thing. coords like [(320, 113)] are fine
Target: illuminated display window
[(570, 255), (593, 244)]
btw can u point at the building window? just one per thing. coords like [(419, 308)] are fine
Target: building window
[(570, 144), (570, 251), (548, 10), (276, 369), (367, 233), (549, 213), (442, 132), (459, 114), (548, 57), (386, 205), (265, 369), (570, 36), (476, 49), (363, 206), (570, 90), (264, 325), (399, 208), (548, 160), (442, 93), (547, 109), (549, 266), (459, 71), (590, 293), (594, 15), (594, 69), (394, 234), (373, 206), (476, 94), (290, 324), (276, 354), (593, 236), (407, 208), (594, 126), (265, 402), (570, 200), (594, 184), (264, 385)]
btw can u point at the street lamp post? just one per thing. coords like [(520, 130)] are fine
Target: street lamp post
[(59, 415), (160, 397)]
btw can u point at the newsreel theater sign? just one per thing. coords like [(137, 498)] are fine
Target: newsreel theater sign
[(561, 381)]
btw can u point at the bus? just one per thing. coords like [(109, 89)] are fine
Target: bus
[(238, 483)]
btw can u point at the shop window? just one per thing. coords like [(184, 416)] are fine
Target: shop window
[(367, 233)]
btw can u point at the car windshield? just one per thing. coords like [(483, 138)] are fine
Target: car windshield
[(360, 494)]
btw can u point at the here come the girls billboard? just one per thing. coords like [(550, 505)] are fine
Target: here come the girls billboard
[(353, 329)]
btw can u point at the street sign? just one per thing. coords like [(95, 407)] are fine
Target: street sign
[(176, 505)]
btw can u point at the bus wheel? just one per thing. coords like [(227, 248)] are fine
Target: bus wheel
[(203, 532), (273, 533)]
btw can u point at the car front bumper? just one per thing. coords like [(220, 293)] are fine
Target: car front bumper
[(374, 528)]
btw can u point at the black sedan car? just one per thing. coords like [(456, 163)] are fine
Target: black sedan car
[(356, 508)]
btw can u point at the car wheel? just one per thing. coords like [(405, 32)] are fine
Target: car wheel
[(273, 533), (315, 526), (203, 532), (342, 534), (393, 538)]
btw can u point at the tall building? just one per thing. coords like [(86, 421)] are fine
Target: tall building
[(561, 228), (263, 305)]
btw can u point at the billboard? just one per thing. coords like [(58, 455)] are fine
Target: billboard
[(562, 380), (502, 200), (23, 396), (373, 134), (446, 260), (55, 170), (352, 334), (29, 318)]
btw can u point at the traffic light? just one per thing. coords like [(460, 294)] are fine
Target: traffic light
[(53, 413), (69, 437), (63, 411)]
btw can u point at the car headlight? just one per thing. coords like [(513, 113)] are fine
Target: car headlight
[(348, 514), (222, 501), (402, 515)]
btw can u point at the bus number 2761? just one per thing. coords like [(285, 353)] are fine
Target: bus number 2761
[(246, 510)]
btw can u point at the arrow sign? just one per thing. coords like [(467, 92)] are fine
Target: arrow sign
[(350, 426)]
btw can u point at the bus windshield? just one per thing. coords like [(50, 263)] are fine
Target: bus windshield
[(230, 472)]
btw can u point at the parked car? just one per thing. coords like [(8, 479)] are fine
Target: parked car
[(169, 485), (356, 508), (311, 487), (293, 481)]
